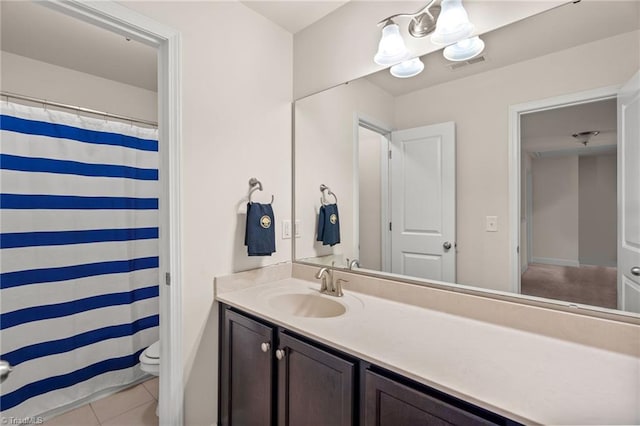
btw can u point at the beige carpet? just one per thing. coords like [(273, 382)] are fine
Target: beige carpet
[(589, 285)]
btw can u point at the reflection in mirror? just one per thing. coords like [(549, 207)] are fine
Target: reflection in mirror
[(430, 188)]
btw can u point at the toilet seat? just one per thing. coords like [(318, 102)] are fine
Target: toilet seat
[(151, 354), (150, 359)]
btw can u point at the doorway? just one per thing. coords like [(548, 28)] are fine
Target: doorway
[(371, 194), (568, 201), (166, 41)]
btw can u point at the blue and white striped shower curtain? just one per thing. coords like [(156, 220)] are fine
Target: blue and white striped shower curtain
[(78, 255)]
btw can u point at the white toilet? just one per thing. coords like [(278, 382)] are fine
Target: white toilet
[(150, 359), (150, 362)]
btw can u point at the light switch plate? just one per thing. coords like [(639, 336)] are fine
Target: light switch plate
[(286, 229), (492, 224)]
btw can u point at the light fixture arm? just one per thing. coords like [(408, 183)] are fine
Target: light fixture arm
[(410, 15)]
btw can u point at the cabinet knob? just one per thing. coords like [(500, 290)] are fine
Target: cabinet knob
[(635, 271), (265, 346), (279, 354)]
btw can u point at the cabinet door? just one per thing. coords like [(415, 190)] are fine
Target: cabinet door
[(390, 403), (246, 390), (314, 386)]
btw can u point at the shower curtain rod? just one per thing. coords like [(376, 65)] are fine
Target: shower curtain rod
[(78, 108)]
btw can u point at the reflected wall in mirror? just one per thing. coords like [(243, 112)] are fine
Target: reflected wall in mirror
[(421, 166)]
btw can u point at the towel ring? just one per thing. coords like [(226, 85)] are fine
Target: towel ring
[(256, 185), (323, 199)]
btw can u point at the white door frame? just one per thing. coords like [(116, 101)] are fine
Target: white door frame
[(515, 112), (360, 119), (121, 20)]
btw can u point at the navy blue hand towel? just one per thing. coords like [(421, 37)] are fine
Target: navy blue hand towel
[(260, 237), (329, 225)]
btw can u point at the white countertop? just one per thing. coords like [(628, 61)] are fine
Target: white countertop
[(524, 376)]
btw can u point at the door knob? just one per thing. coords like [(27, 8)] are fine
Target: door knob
[(635, 271), (446, 245), (5, 370), (265, 346), (279, 354)]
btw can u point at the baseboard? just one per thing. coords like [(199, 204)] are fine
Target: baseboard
[(557, 262), (607, 264)]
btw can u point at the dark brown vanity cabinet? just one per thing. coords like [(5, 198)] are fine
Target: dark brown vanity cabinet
[(272, 377), (269, 377)]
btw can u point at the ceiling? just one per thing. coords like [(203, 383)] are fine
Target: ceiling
[(294, 15), (546, 131), (37, 32)]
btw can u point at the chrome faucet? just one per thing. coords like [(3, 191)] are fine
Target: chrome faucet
[(354, 262), (327, 286)]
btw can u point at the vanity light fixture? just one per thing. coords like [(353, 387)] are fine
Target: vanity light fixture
[(585, 137), (391, 49), (406, 69), (449, 25), (453, 24), (464, 49)]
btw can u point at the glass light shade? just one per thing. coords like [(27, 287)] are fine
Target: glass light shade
[(464, 49), (453, 24), (391, 48), (408, 68)]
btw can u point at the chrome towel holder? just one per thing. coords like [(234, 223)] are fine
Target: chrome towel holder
[(256, 185), (323, 199)]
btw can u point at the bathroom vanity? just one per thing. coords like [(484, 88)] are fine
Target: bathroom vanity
[(393, 353), (270, 375)]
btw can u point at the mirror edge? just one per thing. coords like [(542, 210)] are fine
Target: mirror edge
[(522, 299)]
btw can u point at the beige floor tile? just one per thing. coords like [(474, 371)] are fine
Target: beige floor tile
[(121, 402), (144, 415), (82, 416), (153, 386)]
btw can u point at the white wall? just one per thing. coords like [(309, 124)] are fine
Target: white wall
[(236, 86), (370, 198), (26, 76), (324, 154), (479, 105), (598, 210), (555, 210)]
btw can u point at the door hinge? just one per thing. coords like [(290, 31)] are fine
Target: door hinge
[(167, 278), (390, 227), (518, 249), (390, 155)]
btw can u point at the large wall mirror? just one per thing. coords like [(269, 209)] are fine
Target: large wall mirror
[(470, 173)]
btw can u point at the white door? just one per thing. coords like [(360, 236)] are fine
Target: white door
[(629, 196), (423, 202)]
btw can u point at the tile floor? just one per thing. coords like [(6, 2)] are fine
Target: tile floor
[(135, 406)]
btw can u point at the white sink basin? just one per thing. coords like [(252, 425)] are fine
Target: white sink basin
[(307, 305)]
